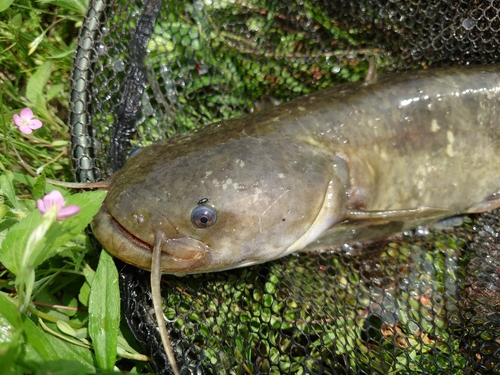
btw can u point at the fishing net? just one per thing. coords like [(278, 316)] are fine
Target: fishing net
[(420, 302)]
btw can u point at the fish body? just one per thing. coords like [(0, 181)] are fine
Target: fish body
[(354, 162)]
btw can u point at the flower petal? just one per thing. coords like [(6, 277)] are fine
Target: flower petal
[(17, 120), (54, 197), (25, 129), (41, 206), (26, 113), (68, 211), (35, 124)]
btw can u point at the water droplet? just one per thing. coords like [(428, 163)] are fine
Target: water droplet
[(171, 95), (492, 286), (202, 69), (119, 66), (422, 230), (96, 144), (100, 49), (468, 24), (347, 248), (139, 218)]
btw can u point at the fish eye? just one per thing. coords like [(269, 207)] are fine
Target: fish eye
[(203, 216)]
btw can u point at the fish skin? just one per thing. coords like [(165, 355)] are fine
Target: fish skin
[(353, 162)]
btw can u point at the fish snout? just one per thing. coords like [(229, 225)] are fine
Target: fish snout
[(179, 256)]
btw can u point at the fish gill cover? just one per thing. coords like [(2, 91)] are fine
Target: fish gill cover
[(146, 70)]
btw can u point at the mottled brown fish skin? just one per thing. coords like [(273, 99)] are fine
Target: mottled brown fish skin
[(352, 162)]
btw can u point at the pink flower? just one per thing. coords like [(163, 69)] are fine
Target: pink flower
[(25, 121), (56, 198)]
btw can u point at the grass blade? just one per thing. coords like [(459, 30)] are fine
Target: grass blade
[(104, 312)]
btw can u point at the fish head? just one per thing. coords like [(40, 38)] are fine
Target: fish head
[(230, 204)]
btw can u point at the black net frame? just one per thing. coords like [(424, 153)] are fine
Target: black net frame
[(417, 303)]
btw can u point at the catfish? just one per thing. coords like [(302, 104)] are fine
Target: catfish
[(355, 162)]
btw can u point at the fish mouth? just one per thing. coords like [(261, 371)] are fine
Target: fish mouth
[(180, 256), (129, 236)]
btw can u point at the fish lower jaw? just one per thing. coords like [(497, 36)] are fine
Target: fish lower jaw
[(127, 247)]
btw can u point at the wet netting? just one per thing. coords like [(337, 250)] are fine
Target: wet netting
[(421, 302)]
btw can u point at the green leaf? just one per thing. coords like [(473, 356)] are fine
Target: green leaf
[(10, 334), (63, 231), (3, 210), (4, 4), (39, 347), (6, 179), (37, 82), (79, 6), (61, 367), (70, 352), (69, 300), (28, 354), (17, 20), (54, 91), (31, 181), (14, 244), (63, 53), (39, 187), (58, 234), (13, 370), (104, 312), (84, 294)]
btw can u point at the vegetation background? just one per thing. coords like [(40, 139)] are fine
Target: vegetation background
[(59, 301), (57, 314)]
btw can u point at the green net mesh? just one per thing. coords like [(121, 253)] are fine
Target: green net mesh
[(417, 303)]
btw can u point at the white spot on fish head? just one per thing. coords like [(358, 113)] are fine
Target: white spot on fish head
[(300, 108), (281, 175), (420, 186), (256, 195), (215, 182), (238, 187), (431, 169), (449, 147), (208, 173), (449, 136), (227, 182), (383, 154), (420, 171), (241, 163), (434, 125)]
